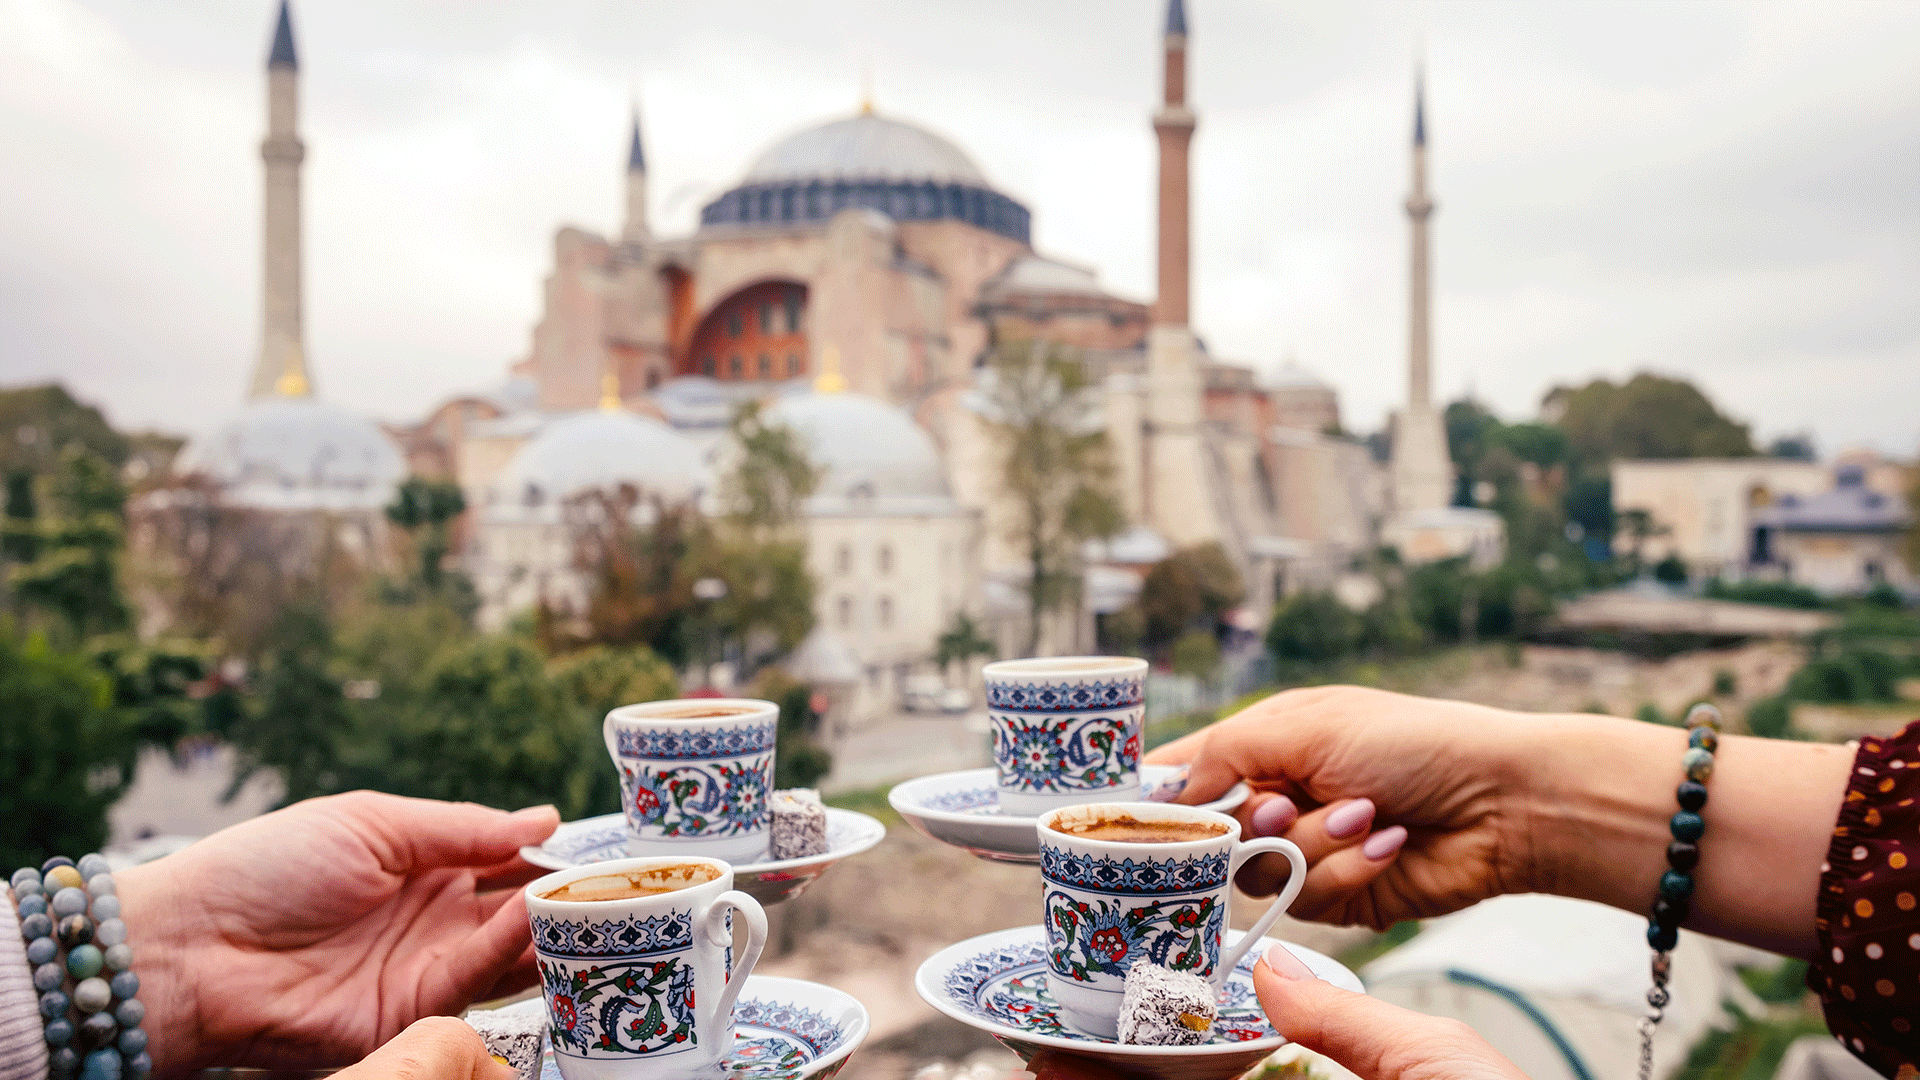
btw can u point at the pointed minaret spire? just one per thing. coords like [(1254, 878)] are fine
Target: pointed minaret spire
[(1173, 124), (1421, 471), (1419, 107), (635, 230), (283, 54), (281, 367)]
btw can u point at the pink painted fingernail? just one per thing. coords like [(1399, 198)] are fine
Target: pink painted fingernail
[(1384, 843), (1286, 965), (1169, 789), (1275, 816), (1349, 818)]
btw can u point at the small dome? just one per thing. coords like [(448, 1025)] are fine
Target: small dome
[(866, 147), (1292, 376), (866, 446), (602, 451), (301, 453)]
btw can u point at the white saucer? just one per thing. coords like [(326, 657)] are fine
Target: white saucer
[(998, 983), (597, 839), (783, 1029), (963, 809)]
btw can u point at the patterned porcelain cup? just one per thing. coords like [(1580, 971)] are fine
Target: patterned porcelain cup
[(1109, 903), (1066, 730), (641, 987), (695, 775)]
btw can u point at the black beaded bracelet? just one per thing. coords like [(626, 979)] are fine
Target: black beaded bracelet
[(1674, 901), (83, 970)]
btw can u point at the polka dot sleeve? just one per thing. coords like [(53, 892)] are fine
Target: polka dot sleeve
[(1868, 970)]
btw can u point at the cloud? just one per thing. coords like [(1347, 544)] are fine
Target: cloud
[(1727, 192)]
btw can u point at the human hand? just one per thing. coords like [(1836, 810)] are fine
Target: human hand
[(1370, 1038), (434, 1048), (1326, 762), (310, 936)]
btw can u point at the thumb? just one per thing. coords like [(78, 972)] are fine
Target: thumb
[(436, 1048), (1371, 1038)]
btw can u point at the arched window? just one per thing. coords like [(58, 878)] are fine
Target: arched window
[(793, 364), (706, 366), (886, 613), (843, 559), (846, 612), (885, 559), (733, 365), (766, 366)]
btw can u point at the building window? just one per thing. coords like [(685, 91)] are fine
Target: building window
[(706, 366), (766, 366), (766, 318), (793, 364), (843, 559), (886, 613), (846, 612), (733, 365), (733, 324), (793, 311), (885, 559)]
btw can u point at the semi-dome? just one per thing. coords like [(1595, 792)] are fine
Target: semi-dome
[(875, 162), (300, 453), (603, 450), (866, 448)]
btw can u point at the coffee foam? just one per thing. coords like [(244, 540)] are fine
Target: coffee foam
[(630, 884), (1083, 822), (705, 712)]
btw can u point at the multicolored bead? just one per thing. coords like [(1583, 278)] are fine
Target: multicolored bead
[(31, 905), (85, 961), (74, 931), (101, 1065), (63, 1063), (93, 995), (1704, 714), (59, 1032), (97, 1031), (42, 950), (119, 957), (1687, 826), (36, 926), (48, 976), (1704, 738), (65, 877), (125, 985), (54, 1004), (1698, 763)]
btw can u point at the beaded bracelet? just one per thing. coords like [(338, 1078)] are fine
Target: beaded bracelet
[(70, 918), (1674, 900)]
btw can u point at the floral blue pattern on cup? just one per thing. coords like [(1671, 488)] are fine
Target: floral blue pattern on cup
[(695, 775), (1066, 730)]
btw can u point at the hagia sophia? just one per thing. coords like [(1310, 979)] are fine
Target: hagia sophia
[(856, 281)]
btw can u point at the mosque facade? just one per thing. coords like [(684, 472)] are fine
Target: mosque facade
[(856, 281)]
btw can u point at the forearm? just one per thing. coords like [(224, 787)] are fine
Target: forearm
[(1601, 793)]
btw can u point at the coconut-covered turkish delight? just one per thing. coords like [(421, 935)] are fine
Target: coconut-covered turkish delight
[(1161, 1007), (799, 826)]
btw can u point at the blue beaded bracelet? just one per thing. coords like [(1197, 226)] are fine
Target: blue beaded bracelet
[(83, 970), (1673, 901)]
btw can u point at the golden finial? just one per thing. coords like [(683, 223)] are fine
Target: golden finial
[(610, 392), (866, 90), (293, 381), (829, 381)]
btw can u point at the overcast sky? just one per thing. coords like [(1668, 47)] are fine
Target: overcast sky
[(1729, 192)]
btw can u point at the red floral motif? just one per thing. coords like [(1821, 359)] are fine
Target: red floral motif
[(646, 802), (563, 1012), (1130, 753), (1110, 943)]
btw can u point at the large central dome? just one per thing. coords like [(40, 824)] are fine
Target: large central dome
[(907, 173), (865, 147)]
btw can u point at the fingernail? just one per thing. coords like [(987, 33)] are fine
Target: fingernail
[(530, 812), (1384, 843), (1349, 818), (1275, 816), (1170, 788), (1285, 964)]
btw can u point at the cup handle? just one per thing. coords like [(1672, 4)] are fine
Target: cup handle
[(1229, 958), (714, 928)]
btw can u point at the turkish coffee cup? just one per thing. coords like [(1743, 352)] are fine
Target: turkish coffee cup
[(1066, 730), (1125, 883), (637, 966), (695, 774)]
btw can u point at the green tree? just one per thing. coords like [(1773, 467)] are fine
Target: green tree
[(1197, 653), (425, 508), (960, 642), (75, 576), (297, 726), (799, 760), (1648, 416), (1189, 590), (598, 680), (1055, 467), (1312, 627), (771, 478), (39, 424), (66, 754)]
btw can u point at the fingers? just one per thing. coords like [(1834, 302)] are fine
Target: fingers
[(522, 974), (1373, 1039), (420, 834), (1334, 882), (436, 1048), (489, 955), (1319, 833)]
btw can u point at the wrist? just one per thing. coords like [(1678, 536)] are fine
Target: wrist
[(160, 930), (1598, 802)]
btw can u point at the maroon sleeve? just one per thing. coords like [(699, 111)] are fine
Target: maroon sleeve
[(1868, 970)]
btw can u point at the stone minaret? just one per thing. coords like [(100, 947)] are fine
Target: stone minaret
[(1422, 470), (635, 231), (1173, 125), (1178, 495), (282, 365)]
